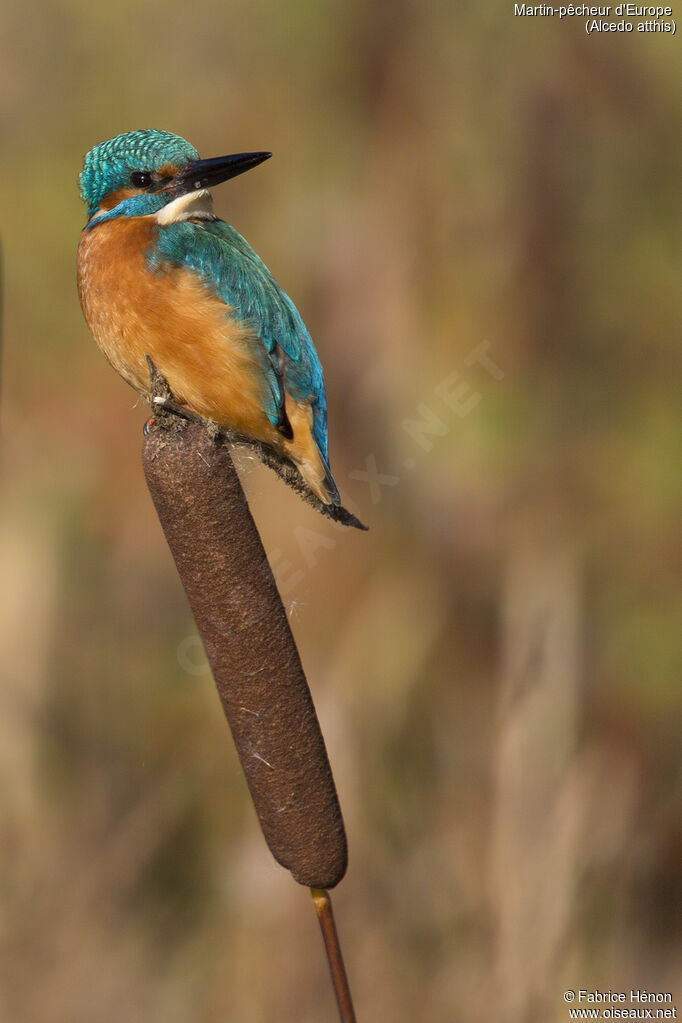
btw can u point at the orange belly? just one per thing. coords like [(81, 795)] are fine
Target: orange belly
[(209, 358)]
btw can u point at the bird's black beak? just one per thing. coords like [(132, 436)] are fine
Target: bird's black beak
[(206, 173)]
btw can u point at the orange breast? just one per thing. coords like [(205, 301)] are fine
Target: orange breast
[(208, 358)]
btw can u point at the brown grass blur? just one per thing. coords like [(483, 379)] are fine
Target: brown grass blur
[(477, 216)]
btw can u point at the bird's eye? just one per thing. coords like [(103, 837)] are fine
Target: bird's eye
[(141, 179)]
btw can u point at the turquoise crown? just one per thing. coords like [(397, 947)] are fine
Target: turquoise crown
[(109, 164)]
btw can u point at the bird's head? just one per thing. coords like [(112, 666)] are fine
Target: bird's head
[(141, 172)]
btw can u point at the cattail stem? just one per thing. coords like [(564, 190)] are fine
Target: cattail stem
[(323, 907)]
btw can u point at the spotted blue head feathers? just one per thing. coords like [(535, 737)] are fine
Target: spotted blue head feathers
[(109, 166)]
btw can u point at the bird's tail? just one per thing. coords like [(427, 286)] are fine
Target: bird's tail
[(314, 483), (328, 485), (323, 489), (333, 509), (340, 514)]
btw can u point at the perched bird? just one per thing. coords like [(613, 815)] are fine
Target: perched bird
[(160, 276)]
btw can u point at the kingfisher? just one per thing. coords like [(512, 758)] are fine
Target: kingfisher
[(161, 278)]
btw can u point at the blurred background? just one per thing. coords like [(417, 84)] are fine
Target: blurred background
[(477, 215)]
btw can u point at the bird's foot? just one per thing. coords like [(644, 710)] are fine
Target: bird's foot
[(166, 409), (167, 404)]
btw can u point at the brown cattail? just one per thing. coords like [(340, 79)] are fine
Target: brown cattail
[(249, 645)]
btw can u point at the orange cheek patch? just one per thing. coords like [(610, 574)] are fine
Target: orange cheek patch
[(169, 170)]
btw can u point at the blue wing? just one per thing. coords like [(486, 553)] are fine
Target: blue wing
[(229, 266)]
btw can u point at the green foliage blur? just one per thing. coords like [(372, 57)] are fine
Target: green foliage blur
[(478, 216)]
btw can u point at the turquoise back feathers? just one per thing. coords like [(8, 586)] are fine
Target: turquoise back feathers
[(228, 266)]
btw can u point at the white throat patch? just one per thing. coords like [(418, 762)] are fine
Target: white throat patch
[(193, 205)]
